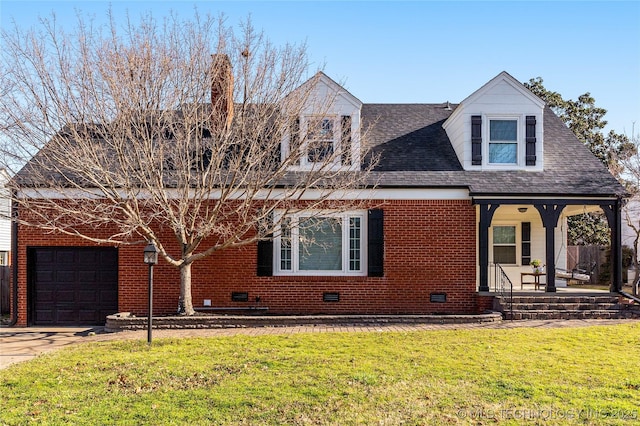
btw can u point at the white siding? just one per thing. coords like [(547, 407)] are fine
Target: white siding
[(459, 134), (509, 214), (5, 211), (630, 213), (501, 97)]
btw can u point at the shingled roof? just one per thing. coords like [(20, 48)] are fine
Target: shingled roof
[(415, 151)]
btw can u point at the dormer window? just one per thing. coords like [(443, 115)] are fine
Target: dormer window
[(321, 139), (325, 133), (503, 141), (498, 127)]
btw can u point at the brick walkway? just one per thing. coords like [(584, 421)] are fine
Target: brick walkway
[(21, 344), (260, 331)]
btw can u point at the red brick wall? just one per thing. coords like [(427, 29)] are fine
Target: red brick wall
[(430, 246)]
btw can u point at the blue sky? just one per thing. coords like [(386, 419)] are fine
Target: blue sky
[(428, 51)]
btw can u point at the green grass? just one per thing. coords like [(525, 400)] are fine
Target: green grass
[(537, 376)]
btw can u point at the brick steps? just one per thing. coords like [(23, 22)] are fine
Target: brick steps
[(566, 307)]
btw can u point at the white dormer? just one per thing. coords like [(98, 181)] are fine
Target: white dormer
[(327, 126), (498, 127)]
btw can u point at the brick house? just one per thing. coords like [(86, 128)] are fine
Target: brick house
[(458, 189)]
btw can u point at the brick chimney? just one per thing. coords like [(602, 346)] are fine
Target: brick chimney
[(221, 92)]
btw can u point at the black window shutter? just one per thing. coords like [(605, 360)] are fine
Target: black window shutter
[(526, 243), (265, 258), (294, 137), (345, 142), (476, 140), (530, 140), (375, 247)]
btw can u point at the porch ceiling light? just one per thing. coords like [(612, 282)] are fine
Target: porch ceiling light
[(522, 209)]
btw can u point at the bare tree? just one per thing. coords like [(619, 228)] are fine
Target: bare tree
[(124, 131), (629, 173)]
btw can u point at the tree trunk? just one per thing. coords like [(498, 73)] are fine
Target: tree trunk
[(186, 303), (636, 267)]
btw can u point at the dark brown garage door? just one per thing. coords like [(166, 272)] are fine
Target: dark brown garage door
[(73, 285)]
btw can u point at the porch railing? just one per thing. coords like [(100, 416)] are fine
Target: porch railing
[(504, 287)]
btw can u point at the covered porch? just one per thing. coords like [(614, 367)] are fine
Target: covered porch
[(514, 231), (536, 286)]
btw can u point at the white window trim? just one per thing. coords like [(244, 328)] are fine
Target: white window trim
[(518, 242), (305, 164), (335, 139), (295, 271), (520, 140)]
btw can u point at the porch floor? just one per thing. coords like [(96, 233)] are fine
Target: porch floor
[(529, 289)]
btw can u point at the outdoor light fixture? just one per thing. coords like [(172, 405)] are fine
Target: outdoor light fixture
[(150, 258), (150, 254), (522, 209)]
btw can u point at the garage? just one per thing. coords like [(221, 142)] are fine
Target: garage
[(72, 285)]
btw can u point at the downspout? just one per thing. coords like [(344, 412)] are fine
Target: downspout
[(14, 260)]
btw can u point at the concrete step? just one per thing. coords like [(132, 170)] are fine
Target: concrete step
[(562, 299), (558, 314), (563, 306), (566, 307)]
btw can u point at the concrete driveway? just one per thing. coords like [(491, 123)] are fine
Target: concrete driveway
[(21, 344)]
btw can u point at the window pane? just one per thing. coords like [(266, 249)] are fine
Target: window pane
[(504, 244), (503, 130), (503, 153), (354, 243), (320, 140), (319, 150), (320, 244), (504, 234), (504, 254), (285, 245)]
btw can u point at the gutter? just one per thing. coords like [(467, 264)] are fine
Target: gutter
[(542, 196)]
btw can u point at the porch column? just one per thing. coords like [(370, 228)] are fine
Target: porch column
[(550, 214), (613, 212), (486, 215)]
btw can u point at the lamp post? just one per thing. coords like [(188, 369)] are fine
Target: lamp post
[(150, 258)]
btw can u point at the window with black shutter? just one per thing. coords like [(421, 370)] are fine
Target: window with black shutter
[(345, 142), (375, 243), (294, 138), (525, 231), (325, 244), (476, 140), (265, 258), (530, 140)]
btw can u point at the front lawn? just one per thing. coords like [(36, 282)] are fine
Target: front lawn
[(584, 375)]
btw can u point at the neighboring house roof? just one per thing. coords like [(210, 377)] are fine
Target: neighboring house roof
[(414, 151)]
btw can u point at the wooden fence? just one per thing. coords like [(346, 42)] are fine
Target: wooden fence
[(590, 258)]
